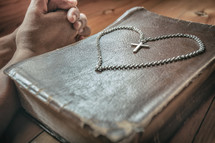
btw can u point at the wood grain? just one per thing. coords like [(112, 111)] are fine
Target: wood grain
[(21, 130), (44, 138), (12, 13), (206, 133), (108, 11), (188, 130), (101, 14)]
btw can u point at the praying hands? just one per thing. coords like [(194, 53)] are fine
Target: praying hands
[(48, 25)]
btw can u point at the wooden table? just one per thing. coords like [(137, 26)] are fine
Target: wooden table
[(200, 127)]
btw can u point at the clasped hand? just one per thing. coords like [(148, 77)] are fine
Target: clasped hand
[(48, 25), (45, 29)]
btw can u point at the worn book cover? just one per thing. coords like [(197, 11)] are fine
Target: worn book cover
[(62, 90)]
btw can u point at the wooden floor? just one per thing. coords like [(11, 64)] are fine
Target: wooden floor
[(199, 128)]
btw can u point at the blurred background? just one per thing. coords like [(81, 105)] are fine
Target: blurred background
[(101, 13)]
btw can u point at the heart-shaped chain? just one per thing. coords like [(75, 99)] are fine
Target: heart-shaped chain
[(142, 41)]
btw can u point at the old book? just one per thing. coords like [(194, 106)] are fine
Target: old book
[(62, 90)]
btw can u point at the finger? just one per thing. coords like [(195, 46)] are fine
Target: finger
[(54, 5), (77, 25), (84, 34), (40, 5), (73, 14), (58, 16), (83, 21), (78, 38), (86, 31), (60, 23)]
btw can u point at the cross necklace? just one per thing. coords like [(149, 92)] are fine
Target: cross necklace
[(138, 46), (142, 40)]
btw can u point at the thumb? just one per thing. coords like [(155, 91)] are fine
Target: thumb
[(40, 5)]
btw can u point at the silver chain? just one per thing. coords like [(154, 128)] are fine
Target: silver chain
[(142, 41)]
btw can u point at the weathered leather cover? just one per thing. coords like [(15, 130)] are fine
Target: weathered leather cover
[(62, 90)]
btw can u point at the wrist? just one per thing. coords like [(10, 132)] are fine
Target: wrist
[(22, 54), (7, 48), (13, 40), (19, 55), (9, 42)]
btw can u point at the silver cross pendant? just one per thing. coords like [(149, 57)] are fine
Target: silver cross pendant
[(138, 46)]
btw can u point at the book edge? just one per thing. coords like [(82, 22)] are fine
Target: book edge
[(128, 127)]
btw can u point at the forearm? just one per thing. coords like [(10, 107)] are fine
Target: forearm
[(39, 33), (9, 102), (7, 48)]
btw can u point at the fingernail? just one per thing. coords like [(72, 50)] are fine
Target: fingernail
[(78, 25), (74, 17), (81, 37), (73, 1)]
